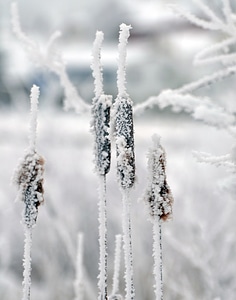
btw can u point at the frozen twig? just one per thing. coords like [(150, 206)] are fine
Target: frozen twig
[(223, 160), (51, 60)]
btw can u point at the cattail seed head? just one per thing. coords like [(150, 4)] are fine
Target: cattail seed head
[(124, 135), (158, 195), (29, 178), (101, 129)]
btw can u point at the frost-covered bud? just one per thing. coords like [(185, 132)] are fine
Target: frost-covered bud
[(158, 195), (124, 134), (29, 178), (101, 129), (115, 297)]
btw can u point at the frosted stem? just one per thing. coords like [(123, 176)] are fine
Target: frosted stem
[(96, 64), (121, 72), (102, 283), (34, 96), (79, 284), (115, 284), (27, 264), (130, 292), (158, 265)]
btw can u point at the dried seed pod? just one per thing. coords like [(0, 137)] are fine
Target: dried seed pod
[(101, 129), (29, 178), (158, 195), (124, 133)]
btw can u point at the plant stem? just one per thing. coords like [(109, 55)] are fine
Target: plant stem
[(158, 264), (27, 263), (130, 292), (102, 283)]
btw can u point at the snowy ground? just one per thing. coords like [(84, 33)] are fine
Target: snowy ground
[(199, 244)]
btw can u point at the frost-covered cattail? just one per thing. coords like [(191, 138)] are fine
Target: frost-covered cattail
[(124, 133), (29, 174), (29, 179), (101, 107), (158, 199), (124, 138), (123, 114), (101, 128), (158, 195)]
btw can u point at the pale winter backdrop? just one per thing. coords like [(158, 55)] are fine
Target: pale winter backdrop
[(199, 244)]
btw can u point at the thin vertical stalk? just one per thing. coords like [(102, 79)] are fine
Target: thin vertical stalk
[(27, 263), (102, 283), (115, 284), (126, 223), (157, 254)]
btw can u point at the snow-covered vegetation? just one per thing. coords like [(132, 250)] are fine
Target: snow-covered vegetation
[(91, 238)]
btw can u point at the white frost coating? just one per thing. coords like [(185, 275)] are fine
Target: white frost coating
[(157, 197), (121, 72), (79, 281), (201, 108), (34, 97), (50, 59), (158, 265), (102, 218), (126, 224), (195, 20), (203, 57), (208, 12), (96, 64), (27, 264), (226, 160), (115, 283), (100, 127)]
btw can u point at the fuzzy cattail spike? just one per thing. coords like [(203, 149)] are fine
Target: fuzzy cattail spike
[(124, 134), (29, 174), (101, 129), (123, 112), (158, 195), (158, 199), (29, 178)]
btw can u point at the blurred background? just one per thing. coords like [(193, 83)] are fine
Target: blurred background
[(199, 244)]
